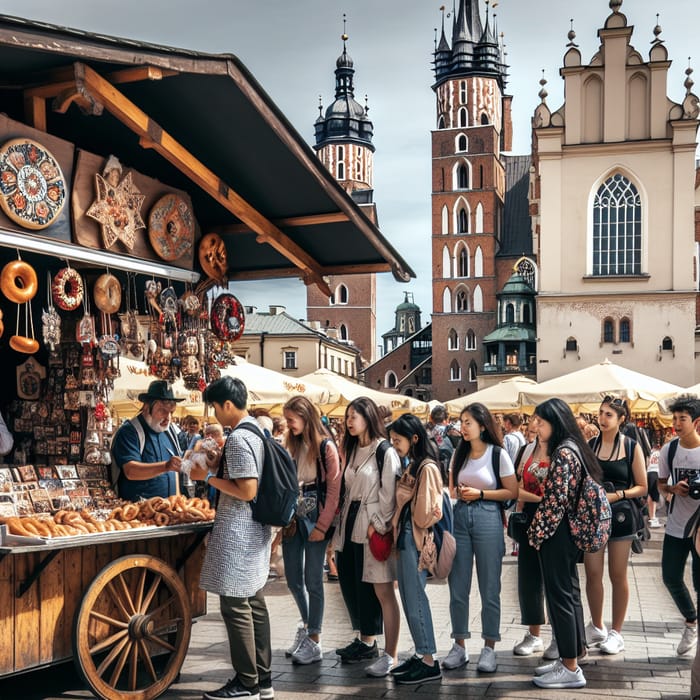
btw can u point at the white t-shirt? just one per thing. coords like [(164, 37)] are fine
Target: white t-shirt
[(478, 473), (513, 442), (686, 466)]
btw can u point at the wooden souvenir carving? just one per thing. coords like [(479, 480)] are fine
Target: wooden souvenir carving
[(117, 206), (32, 185), (171, 227), (227, 318)]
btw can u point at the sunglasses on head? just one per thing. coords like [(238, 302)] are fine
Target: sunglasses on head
[(614, 401)]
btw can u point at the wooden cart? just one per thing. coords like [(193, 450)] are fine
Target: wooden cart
[(120, 604)]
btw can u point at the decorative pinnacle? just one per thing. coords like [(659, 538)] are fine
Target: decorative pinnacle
[(572, 35), (615, 5), (542, 94), (344, 35), (366, 104), (657, 32), (689, 82), (320, 106)]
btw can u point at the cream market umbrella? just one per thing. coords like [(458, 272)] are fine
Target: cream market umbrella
[(584, 389), (504, 396), (343, 391)]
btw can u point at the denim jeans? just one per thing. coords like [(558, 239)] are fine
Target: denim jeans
[(303, 568), (674, 557), (415, 602), (478, 529)]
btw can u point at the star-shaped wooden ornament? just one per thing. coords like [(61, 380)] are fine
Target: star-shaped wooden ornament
[(118, 209)]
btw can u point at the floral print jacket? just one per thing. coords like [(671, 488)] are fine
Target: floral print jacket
[(559, 497)]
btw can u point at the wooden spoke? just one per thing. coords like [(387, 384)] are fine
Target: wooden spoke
[(149, 596), (109, 620), (117, 657), (143, 653), (106, 643)]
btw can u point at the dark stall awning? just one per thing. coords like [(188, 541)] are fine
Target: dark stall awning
[(200, 123)]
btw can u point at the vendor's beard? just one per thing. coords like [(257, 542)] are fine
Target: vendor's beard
[(155, 425)]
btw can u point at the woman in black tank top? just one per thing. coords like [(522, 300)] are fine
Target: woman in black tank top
[(624, 472)]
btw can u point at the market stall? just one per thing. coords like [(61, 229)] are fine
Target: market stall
[(121, 233)]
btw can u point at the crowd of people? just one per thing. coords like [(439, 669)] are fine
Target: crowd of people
[(395, 502)]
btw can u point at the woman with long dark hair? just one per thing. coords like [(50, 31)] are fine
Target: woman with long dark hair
[(418, 507), (549, 533), (366, 583), (624, 471), (304, 549), (480, 490)]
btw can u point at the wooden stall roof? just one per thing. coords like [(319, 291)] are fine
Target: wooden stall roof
[(201, 123)]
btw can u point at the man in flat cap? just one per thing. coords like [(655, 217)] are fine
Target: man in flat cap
[(145, 449)]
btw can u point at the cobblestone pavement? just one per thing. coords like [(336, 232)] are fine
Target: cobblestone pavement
[(647, 668)]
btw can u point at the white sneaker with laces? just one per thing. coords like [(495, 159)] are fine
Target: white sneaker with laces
[(688, 641), (298, 638), (308, 652), (547, 668), (381, 666), (561, 677), (487, 661), (529, 645), (595, 635), (614, 644), (456, 658), (654, 522), (551, 653)]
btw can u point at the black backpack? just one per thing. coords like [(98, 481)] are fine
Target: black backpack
[(278, 487), (496, 466)]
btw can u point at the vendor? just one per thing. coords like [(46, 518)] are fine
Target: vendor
[(145, 449)]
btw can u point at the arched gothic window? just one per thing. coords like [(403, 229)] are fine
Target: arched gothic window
[(461, 143), (471, 340), (462, 301), (455, 371), (452, 340), (462, 221), (462, 178), (510, 313), (463, 263)]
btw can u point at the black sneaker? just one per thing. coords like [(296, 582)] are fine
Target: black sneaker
[(420, 673), (350, 648), (233, 689), (361, 652), (405, 667)]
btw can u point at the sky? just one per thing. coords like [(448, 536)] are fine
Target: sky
[(291, 46)]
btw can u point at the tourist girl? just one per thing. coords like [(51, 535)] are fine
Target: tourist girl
[(531, 470), (367, 584), (624, 471), (304, 544), (478, 530), (550, 534), (418, 507)]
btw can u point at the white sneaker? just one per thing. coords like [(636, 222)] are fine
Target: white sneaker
[(614, 644), (547, 668), (551, 653), (298, 638), (595, 635), (487, 661), (308, 652), (689, 640), (381, 666), (654, 522), (456, 658), (561, 677), (529, 645)]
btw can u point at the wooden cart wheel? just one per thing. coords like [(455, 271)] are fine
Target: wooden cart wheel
[(132, 630)]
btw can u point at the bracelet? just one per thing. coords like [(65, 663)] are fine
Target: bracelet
[(481, 495), (207, 477), (624, 498)]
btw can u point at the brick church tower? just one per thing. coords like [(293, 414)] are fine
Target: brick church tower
[(473, 128), (344, 146)]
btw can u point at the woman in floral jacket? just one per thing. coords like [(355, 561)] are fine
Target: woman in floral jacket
[(550, 534)]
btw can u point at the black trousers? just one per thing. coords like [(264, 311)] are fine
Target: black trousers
[(674, 557), (530, 585), (360, 599), (558, 558)]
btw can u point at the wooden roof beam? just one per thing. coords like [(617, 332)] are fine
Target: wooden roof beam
[(294, 221), (277, 272), (117, 104)]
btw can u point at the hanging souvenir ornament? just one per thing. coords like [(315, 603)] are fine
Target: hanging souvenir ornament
[(131, 339), (32, 186), (85, 328), (227, 318), (18, 282), (213, 258), (67, 289), (117, 206), (50, 320), (168, 317), (171, 227), (108, 293)]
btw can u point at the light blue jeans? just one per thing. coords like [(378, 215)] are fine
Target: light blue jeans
[(415, 602), (478, 529), (303, 568)]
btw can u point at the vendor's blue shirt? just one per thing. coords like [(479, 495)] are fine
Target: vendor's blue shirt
[(158, 447)]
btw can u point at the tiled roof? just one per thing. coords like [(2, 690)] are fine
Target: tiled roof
[(517, 234), (277, 324)]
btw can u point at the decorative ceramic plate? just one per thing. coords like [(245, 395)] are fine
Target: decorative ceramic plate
[(32, 186), (227, 317), (171, 227)]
